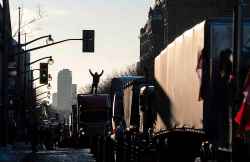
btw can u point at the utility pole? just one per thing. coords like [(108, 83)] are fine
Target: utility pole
[(19, 84), (25, 82)]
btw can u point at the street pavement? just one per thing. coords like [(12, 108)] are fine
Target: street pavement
[(14, 153), (60, 155), (23, 153)]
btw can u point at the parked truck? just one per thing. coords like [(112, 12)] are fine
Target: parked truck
[(94, 110), (132, 118), (185, 72), (174, 117), (125, 109)]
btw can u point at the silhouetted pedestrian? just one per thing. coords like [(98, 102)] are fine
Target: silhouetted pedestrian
[(34, 137), (96, 79), (222, 98), (12, 131)]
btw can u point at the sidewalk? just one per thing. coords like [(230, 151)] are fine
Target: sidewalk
[(14, 153)]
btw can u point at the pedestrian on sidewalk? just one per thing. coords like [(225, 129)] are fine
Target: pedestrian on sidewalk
[(12, 131)]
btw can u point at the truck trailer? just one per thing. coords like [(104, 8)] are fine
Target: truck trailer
[(125, 109), (186, 72)]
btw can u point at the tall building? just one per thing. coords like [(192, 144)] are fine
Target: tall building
[(74, 94), (64, 91), (54, 100)]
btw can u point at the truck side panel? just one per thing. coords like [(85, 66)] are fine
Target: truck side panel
[(175, 72), (127, 104)]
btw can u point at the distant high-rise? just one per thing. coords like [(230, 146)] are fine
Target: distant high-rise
[(54, 100), (64, 91), (74, 94)]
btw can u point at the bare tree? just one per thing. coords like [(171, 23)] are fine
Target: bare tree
[(40, 14)]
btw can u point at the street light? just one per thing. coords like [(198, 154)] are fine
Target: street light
[(50, 60), (48, 94), (49, 86), (49, 77), (49, 40)]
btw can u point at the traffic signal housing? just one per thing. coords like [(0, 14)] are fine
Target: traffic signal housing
[(43, 73), (88, 41)]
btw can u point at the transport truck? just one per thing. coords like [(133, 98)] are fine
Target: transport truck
[(185, 72), (175, 114), (94, 110), (125, 109)]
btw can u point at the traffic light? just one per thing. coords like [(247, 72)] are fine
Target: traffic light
[(43, 73), (88, 41)]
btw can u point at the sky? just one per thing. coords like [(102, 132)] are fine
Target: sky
[(116, 23)]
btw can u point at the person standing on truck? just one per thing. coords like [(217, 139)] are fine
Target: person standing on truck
[(96, 79)]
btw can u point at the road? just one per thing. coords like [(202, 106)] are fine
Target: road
[(61, 155)]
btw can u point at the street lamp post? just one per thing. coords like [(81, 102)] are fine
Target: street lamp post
[(48, 86), (47, 45), (48, 93), (50, 61), (39, 99), (24, 52), (22, 101)]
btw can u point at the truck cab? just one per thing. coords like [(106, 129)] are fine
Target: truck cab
[(93, 115)]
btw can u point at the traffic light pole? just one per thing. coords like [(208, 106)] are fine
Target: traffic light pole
[(42, 93), (50, 57), (40, 86), (39, 99), (47, 45), (21, 52)]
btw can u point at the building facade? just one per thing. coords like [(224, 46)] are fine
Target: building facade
[(151, 41), (54, 100), (12, 84), (74, 94)]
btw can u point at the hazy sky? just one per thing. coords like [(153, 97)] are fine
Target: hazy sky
[(116, 23)]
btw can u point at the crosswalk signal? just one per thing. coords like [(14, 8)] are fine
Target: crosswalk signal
[(43, 73), (88, 41)]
